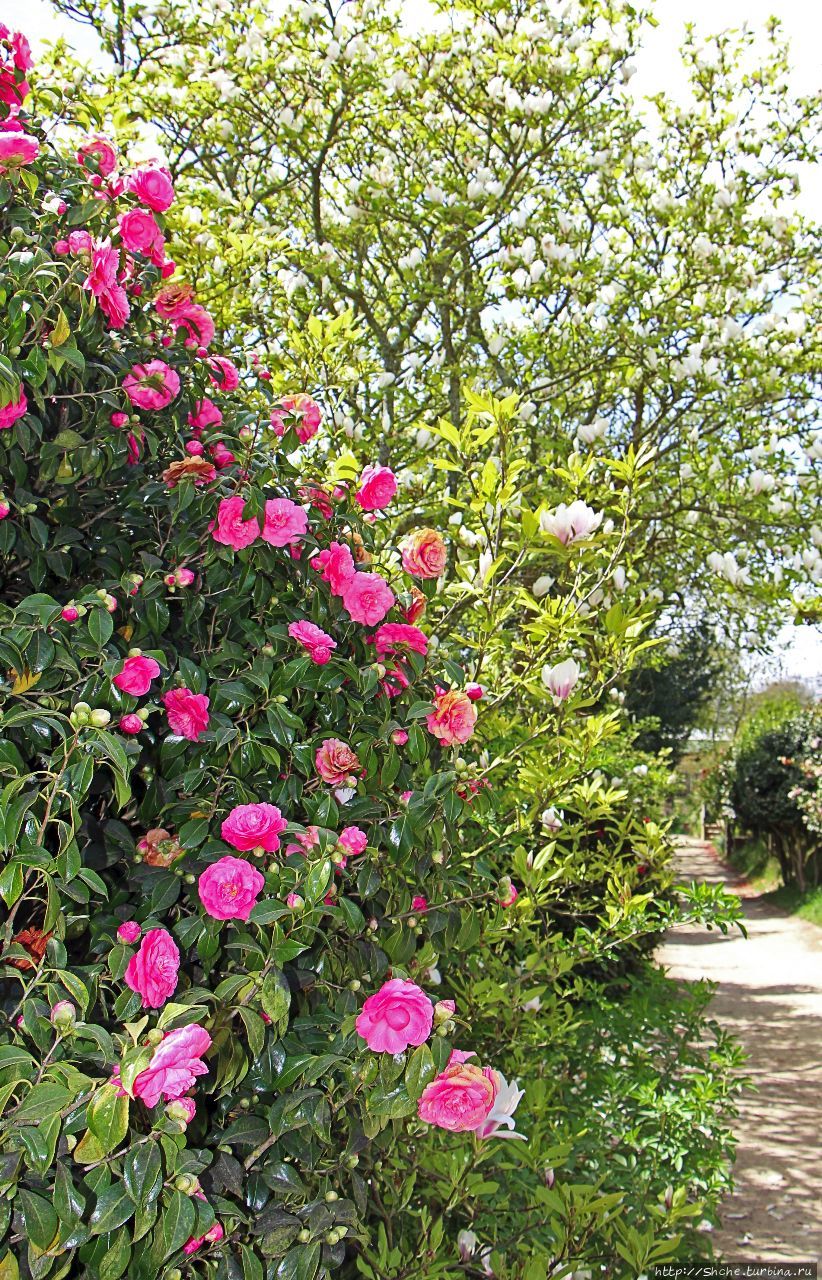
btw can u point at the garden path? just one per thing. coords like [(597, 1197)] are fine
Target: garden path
[(769, 996)]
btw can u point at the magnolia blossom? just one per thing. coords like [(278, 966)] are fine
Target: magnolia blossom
[(571, 523), (560, 680), (506, 1101), (551, 819)]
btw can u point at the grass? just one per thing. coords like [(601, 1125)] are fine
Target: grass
[(807, 905)]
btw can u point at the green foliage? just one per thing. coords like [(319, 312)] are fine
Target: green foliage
[(671, 694)]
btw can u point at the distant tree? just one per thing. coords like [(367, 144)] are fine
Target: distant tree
[(670, 695)]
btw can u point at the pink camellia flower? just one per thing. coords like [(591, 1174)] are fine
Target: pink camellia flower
[(453, 719), (183, 577), (474, 691), (335, 566), (285, 522), (197, 323), (105, 262), (183, 1110), (133, 447), (137, 675), (223, 373), (115, 306), (396, 637), (174, 1065), (308, 840), (398, 1015), (130, 723), (424, 554), (5, 510), (231, 529), (151, 386), (335, 761), (254, 826), (377, 487), (295, 901), (459, 1099), (506, 1100), (17, 149), (420, 905), (153, 187), (399, 737), (211, 1236), (118, 419), (229, 888), (305, 410), (15, 60), (206, 414), (367, 597), (101, 150), (152, 971), (129, 931), (9, 413), (353, 840), (70, 613), (561, 679), (571, 523), (140, 233), (316, 642), (187, 713), (222, 456)]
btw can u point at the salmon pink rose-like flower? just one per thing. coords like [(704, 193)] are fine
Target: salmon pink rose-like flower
[(206, 414), (17, 149), (453, 717), (99, 149), (231, 529), (307, 414), (367, 597), (317, 643), (174, 1065), (223, 373), (9, 413), (137, 675), (229, 888), (153, 187), (424, 554), (254, 826), (353, 840), (187, 713), (398, 1015), (397, 637), (335, 761), (152, 971), (284, 522), (377, 487), (460, 1099), (335, 566), (140, 233), (152, 386)]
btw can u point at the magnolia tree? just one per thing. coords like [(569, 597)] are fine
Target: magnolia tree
[(487, 198), (311, 843)]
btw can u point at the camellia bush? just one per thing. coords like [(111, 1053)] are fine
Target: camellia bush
[(302, 919)]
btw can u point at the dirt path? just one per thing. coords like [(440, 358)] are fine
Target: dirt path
[(770, 997)]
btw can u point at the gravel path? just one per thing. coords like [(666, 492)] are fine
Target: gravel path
[(770, 997)]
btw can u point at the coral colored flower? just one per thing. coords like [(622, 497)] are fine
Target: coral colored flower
[(461, 1098), (174, 1065), (100, 149), (424, 554), (137, 675), (335, 761), (17, 149), (151, 386), (398, 1015), (128, 931), (231, 529), (160, 848), (453, 719), (130, 724), (198, 470), (420, 905), (152, 971), (9, 413), (254, 826), (223, 373), (561, 679), (153, 187), (317, 643), (396, 637), (377, 487), (353, 840), (187, 713), (415, 610), (140, 233), (367, 597), (335, 566), (229, 888), (172, 298), (285, 522)]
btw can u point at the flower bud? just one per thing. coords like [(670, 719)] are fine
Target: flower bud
[(63, 1016), (182, 1110), (99, 717)]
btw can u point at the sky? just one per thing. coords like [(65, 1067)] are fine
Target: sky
[(799, 649)]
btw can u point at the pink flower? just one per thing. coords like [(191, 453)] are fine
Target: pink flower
[(424, 554), (335, 566), (367, 597), (153, 187), (183, 577), (137, 675), (295, 901), (353, 840), (399, 737), (305, 410), (223, 373), (9, 413), (63, 1015), (335, 761), (174, 1065), (151, 386), (114, 305), (509, 896), (130, 724), (377, 487), (100, 149), (396, 637), (15, 59), (232, 530), (140, 233), (229, 888), (474, 691), (206, 414), (317, 643), (103, 273), (118, 419), (129, 931), (16, 149), (187, 713), (70, 613), (197, 323), (398, 1015), (284, 522), (453, 719), (183, 1110), (211, 1236), (152, 971), (460, 1099), (254, 826), (420, 905)]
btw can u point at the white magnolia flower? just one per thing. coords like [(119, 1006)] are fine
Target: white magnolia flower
[(560, 680), (552, 819), (467, 1242), (502, 1113), (571, 523), (542, 586)]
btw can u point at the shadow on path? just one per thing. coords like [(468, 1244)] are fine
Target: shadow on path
[(769, 996)]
